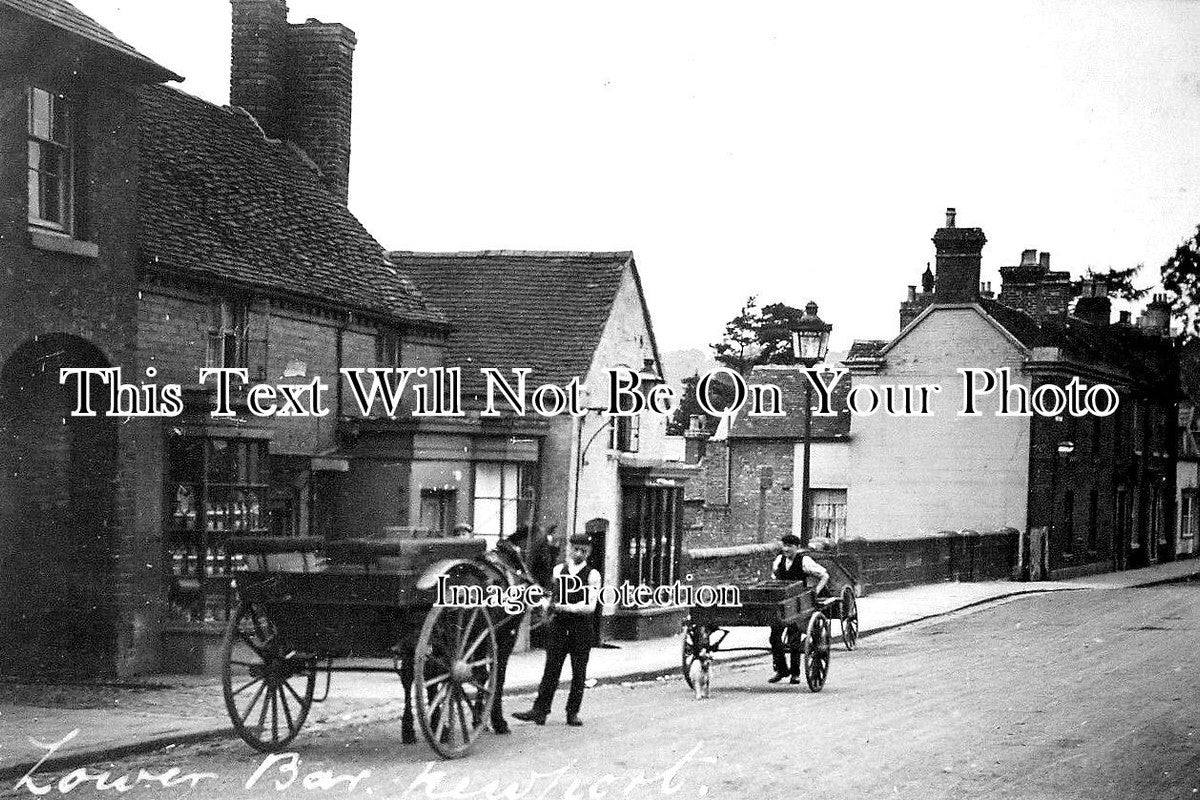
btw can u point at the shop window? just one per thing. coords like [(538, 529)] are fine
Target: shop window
[(827, 513), (215, 489), (651, 534), (504, 498)]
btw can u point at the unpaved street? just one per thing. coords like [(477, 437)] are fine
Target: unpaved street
[(1072, 695)]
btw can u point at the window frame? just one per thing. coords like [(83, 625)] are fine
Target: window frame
[(228, 319), (1187, 513), (66, 146)]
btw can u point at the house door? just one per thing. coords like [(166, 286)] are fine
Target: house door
[(57, 475)]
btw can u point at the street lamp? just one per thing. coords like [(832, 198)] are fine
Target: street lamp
[(810, 344)]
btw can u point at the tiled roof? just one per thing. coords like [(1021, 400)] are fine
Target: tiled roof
[(221, 202), (1145, 356), (67, 17), (866, 348), (791, 426), (511, 309)]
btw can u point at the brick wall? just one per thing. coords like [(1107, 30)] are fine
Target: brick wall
[(877, 566), (733, 517), (83, 514)]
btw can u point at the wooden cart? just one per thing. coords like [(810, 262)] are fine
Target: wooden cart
[(763, 604), (305, 603)]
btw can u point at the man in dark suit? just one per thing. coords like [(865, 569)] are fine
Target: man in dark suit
[(571, 632), (792, 565)]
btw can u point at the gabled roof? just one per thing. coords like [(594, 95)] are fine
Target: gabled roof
[(66, 17), (791, 426), (510, 309), (219, 201)]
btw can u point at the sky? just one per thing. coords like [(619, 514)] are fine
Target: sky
[(793, 151)]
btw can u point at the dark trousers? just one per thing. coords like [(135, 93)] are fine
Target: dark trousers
[(793, 648), (567, 635)]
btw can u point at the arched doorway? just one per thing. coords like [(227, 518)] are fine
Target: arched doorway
[(57, 488)]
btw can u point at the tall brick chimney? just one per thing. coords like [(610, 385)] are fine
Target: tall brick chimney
[(1034, 288), (959, 254), (258, 71), (296, 80), (1093, 304), (322, 64)]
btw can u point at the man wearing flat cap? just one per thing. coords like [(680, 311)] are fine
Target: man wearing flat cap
[(792, 565), (570, 632)]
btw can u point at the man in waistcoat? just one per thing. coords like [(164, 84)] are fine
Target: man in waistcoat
[(570, 632), (792, 565)]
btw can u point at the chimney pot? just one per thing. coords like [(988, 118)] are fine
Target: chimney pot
[(950, 215), (1044, 261), (1029, 258), (912, 294), (1125, 317)]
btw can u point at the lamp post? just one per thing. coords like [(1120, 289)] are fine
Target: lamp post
[(810, 344)]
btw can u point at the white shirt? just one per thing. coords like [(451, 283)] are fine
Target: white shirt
[(593, 584), (807, 563)]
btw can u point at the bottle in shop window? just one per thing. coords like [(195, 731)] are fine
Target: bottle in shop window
[(210, 516), (254, 511)]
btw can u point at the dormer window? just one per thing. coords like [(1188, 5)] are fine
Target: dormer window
[(51, 175)]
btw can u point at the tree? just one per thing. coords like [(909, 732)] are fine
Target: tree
[(775, 327), (758, 336), (689, 407), (1181, 279), (739, 348)]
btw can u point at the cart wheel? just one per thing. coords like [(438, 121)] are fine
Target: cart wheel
[(849, 619), (816, 651), (261, 681), (455, 666), (695, 644)]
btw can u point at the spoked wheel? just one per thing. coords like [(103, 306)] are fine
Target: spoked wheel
[(816, 651), (695, 643), (849, 619), (455, 676), (268, 692)]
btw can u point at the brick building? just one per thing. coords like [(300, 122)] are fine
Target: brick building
[(1097, 490), (753, 469), (70, 492), (566, 315), (1187, 465)]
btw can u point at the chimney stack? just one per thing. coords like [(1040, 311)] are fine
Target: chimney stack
[(1124, 318), (296, 81), (912, 294), (1044, 262), (959, 254), (258, 63), (1029, 258), (1157, 316), (695, 439), (1093, 304)]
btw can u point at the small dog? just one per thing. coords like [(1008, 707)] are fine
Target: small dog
[(701, 675)]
